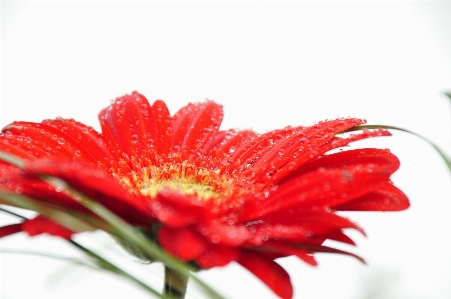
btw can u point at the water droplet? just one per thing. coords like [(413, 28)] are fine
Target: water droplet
[(61, 141), (326, 187), (77, 153), (232, 234), (215, 239), (169, 131), (265, 238)]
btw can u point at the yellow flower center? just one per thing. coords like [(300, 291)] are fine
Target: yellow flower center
[(182, 185), (204, 178)]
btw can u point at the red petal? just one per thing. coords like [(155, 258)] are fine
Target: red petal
[(224, 234), (177, 210), (328, 186), (196, 125), (15, 180), (131, 125), (263, 232), (85, 141), (98, 185), (341, 237), (41, 225), (287, 250), (163, 123), (295, 145), (383, 159), (269, 272), (183, 243), (233, 140), (318, 222), (262, 144), (119, 125), (217, 256), (10, 229), (386, 198), (311, 152), (60, 137)]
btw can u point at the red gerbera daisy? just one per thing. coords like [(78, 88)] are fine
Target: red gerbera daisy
[(207, 196)]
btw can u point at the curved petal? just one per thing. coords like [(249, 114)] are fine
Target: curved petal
[(131, 125), (217, 256), (286, 250), (268, 271), (183, 243), (373, 157), (40, 225), (60, 137), (98, 184), (299, 225), (164, 125), (224, 234), (328, 186), (386, 198), (196, 125), (10, 229)]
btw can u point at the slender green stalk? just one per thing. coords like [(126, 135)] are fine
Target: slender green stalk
[(175, 284)]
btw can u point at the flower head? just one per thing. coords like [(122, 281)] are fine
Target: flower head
[(212, 196)]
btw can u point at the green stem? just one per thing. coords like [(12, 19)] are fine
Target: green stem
[(174, 283)]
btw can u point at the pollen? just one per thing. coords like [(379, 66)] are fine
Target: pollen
[(183, 177), (205, 177), (182, 185)]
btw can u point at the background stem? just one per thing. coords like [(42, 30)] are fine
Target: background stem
[(175, 283)]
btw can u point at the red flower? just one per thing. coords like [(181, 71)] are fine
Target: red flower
[(215, 196)]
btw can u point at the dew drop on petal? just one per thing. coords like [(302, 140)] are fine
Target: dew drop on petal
[(215, 239), (77, 153), (326, 187), (61, 141), (232, 234), (169, 131)]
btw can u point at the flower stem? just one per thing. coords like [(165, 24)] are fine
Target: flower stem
[(174, 283)]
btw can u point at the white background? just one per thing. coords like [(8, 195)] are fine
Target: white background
[(271, 64)]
